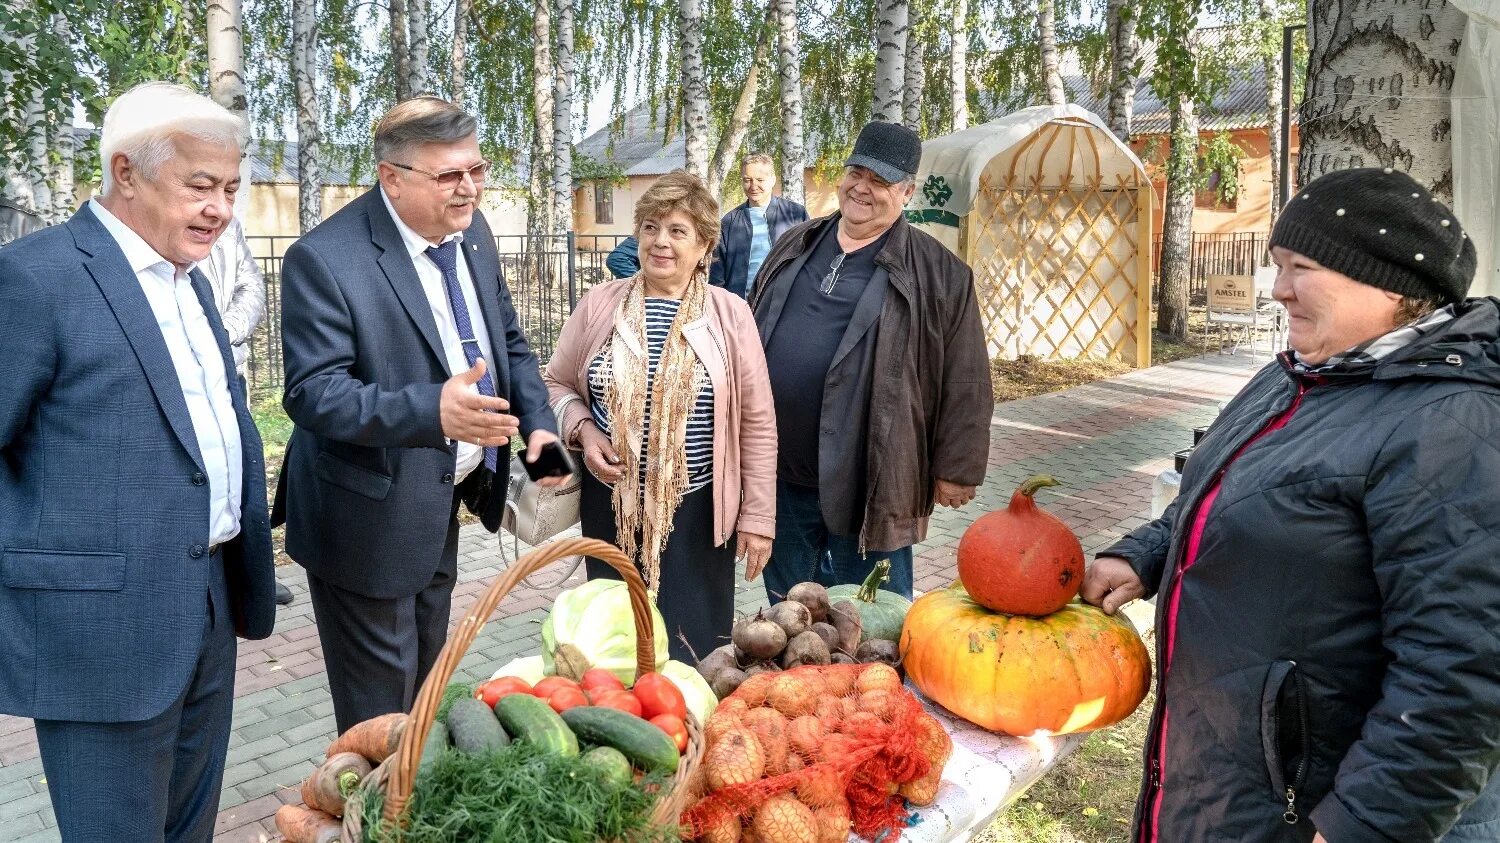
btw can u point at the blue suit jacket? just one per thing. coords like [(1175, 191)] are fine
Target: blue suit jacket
[(366, 490), (731, 266), (103, 503)]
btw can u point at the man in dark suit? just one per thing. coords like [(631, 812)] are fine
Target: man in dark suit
[(134, 542), (749, 231), (406, 375)]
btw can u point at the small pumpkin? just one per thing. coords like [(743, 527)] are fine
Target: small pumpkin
[(1021, 560), (1074, 670), (881, 612)]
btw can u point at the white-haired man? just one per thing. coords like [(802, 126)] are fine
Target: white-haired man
[(133, 529)]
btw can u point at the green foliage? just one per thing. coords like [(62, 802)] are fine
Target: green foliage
[(1221, 155)]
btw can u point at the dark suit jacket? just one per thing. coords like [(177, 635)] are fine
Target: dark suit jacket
[(731, 266), (103, 502), (366, 490)]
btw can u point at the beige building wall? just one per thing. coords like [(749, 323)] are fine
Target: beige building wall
[(1252, 211), (271, 211)]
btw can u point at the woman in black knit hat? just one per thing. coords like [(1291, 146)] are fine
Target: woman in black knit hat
[(1328, 580)]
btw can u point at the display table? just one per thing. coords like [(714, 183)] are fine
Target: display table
[(986, 773)]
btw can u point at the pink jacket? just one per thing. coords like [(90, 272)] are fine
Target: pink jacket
[(728, 343)]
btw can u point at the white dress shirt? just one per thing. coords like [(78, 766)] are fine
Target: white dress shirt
[(469, 454), (200, 371)]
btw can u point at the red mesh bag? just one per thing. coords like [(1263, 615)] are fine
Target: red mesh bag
[(809, 754)]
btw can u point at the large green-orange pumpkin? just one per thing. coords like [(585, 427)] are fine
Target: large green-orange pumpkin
[(1074, 670)]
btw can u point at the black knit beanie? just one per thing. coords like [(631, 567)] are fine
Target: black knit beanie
[(1380, 228)]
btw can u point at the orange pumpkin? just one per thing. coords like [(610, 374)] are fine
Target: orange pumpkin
[(1021, 560), (1072, 671)]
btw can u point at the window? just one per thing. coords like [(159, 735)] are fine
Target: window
[(1210, 198), (604, 203)]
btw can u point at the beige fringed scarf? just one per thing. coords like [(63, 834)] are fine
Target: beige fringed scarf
[(649, 510)]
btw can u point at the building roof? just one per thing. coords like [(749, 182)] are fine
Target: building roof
[(275, 161), (641, 147), (1239, 100)]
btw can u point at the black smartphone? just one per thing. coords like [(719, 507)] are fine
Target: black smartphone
[(553, 461)]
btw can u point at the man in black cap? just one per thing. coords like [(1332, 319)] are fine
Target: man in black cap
[(879, 373)]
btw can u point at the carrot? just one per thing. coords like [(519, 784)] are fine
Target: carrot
[(330, 784), (374, 739), (304, 825)]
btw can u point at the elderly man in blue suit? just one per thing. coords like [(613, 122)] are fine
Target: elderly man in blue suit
[(134, 543), (406, 375)]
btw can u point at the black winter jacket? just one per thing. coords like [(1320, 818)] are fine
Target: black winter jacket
[(1335, 660)]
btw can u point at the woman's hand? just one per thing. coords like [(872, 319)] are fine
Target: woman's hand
[(599, 454), (1111, 583), (756, 551)]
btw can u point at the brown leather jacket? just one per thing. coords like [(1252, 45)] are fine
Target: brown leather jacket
[(744, 415), (908, 398)]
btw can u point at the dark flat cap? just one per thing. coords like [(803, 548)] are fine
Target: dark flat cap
[(889, 150)]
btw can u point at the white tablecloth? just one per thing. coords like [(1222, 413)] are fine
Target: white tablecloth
[(986, 773)]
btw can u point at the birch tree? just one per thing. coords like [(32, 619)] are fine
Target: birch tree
[(694, 85), (458, 60), (417, 24), (891, 27), (1270, 54), (958, 65), (566, 72), (733, 136), (539, 196), (399, 32), (226, 56), (789, 80), (915, 71), (1379, 77), (1178, 83), (64, 145), (1046, 24), (304, 77), (1124, 65)]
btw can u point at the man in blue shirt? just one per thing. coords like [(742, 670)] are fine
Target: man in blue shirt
[(749, 230)]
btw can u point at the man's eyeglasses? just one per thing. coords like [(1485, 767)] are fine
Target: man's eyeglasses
[(450, 179), (832, 277)]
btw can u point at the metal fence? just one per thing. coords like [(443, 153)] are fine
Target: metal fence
[(546, 275), (1237, 253)]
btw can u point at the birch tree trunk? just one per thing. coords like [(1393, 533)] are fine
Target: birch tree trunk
[(304, 78), (1379, 77), (912, 90), (891, 28), (694, 85), (458, 62), (789, 80), (539, 194), (417, 22), (739, 121), (1046, 23), (226, 56), (400, 53), (1177, 222), (1271, 64), (562, 120), (15, 177), (958, 66), (1123, 49), (64, 145)]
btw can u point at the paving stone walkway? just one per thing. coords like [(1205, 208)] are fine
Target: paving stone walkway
[(1105, 442)]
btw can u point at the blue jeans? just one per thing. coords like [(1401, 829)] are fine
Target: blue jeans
[(804, 550)]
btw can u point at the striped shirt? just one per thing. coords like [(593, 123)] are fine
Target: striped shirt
[(700, 425)]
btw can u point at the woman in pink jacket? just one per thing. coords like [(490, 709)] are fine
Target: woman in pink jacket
[(661, 383)]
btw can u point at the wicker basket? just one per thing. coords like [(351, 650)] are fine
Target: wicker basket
[(397, 774)]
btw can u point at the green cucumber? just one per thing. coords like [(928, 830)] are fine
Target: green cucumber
[(611, 763), (474, 729), (437, 744), (530, 720), (646, 746)]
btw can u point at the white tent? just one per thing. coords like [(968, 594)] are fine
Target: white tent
[(1053, 213)]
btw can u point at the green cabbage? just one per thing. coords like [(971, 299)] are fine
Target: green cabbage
[(700, 698), (592, 626)]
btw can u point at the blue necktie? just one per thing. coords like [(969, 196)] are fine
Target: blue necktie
[(446, 258)]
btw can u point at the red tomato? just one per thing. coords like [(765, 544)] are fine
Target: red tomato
[(622, 700), (658, 695), (674, 727), (565, 698), (547, 687), (598, 677), (493, 690)]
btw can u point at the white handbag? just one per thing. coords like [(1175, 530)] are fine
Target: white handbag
[(534, 514)]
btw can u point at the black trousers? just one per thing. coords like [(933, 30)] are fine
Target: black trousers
[(696, 593), (379, 651), (157, 779)]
